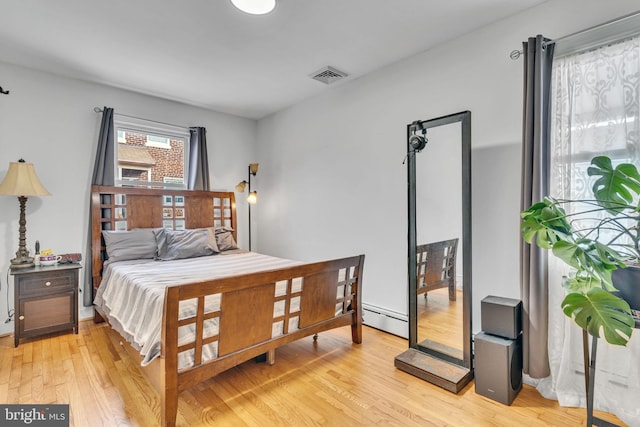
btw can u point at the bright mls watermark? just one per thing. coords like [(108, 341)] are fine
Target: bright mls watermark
[(34, 415)]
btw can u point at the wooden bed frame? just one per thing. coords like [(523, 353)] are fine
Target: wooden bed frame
[(327, 287)]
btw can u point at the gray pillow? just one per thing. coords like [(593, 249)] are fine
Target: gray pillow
[(224, 238), (179, 244), (134, 244)]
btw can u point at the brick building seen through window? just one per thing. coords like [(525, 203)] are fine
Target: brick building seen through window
[(150, 158)]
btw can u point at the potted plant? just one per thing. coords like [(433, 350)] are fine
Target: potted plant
[(599, 236)]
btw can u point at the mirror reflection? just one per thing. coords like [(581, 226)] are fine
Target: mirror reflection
[(439, 253)]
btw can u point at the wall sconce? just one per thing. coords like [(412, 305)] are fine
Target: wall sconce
[(252, 198), (21, 180)]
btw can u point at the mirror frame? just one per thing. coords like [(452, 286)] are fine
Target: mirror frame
[(464, 118)]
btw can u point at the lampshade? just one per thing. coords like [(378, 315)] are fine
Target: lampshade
[(255, 7), (21, 180), (253, 197), (253, 168), (241, 186)]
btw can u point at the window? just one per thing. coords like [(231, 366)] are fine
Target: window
[(151, 154), (122, 137), (594, 112), (133, 174), (158, 141)]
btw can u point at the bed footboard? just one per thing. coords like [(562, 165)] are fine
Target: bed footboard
[(257, 313)]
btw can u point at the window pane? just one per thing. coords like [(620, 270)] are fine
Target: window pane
[(145, 157), (158, 141), (134, 175), (593, 114)]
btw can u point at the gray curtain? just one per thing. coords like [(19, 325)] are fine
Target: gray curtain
[(103, 174), (198, 174), (535, 185), (103, 166)]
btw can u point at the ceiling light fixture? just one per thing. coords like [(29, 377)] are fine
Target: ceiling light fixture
[(255, 7)]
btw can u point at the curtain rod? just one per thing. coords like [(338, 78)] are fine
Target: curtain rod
[(515, 54), (99, 110)]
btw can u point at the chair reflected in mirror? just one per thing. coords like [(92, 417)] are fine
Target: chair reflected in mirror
[(436, 267)]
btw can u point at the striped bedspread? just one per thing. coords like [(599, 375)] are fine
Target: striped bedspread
[(131, 294)]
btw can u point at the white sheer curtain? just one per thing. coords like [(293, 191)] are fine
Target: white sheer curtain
[(595, 110)]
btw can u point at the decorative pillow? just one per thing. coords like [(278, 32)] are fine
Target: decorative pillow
[(224, 238), (179, 244), (134, 244)]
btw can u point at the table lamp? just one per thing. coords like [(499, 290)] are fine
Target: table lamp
[(21, 180)]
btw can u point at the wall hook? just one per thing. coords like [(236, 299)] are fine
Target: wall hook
[(4, 92)]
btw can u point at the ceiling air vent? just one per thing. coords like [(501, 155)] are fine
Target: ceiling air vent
[(328, 75)]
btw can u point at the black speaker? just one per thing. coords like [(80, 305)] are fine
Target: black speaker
[(501, 316), (498, 367)]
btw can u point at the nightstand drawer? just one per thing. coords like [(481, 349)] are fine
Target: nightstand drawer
[(37, 283)]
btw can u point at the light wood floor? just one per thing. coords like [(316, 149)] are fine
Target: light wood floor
[(439, 319), (330, 383)]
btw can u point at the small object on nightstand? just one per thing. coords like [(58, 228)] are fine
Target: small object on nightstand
[(46, 300), (49, 260), (36, 257), (70, 258)]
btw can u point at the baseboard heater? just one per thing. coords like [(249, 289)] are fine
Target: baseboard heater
[(385, 320)]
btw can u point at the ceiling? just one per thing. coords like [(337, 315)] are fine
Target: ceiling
[(209, 54)]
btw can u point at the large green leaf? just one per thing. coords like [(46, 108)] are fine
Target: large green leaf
[(590, 258), (545, 222), (615, 189), (599, 311), (580, 283)]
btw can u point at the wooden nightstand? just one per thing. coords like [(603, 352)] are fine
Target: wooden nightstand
[(46, 300)]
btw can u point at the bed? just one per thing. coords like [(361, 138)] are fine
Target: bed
[(187, 319)]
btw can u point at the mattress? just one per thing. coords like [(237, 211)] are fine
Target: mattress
[(131, 295)]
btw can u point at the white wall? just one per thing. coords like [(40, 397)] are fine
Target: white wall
[(332, 182), (49, 121)]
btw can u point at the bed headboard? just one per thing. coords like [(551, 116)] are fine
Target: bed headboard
[(126, 208)]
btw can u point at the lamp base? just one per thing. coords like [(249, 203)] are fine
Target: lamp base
[(22, 262)]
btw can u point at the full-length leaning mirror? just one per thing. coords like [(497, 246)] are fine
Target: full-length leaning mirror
[(439, 251)]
